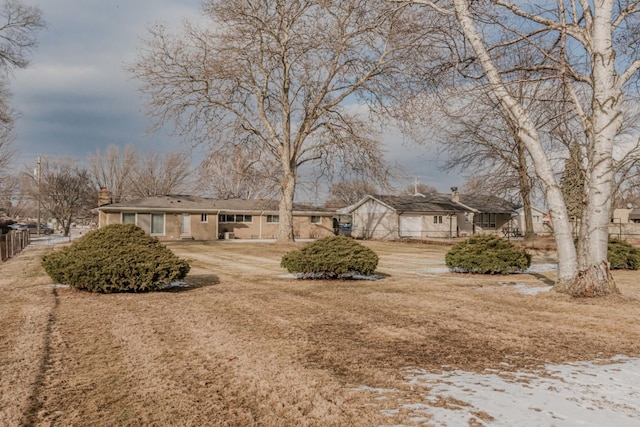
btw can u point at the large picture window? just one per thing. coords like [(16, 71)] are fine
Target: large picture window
[(157, 223), (485, 220)]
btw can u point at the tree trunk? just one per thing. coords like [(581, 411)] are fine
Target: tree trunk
[(287, 193), (594, 281), (525, 191), (528, 134), (594, 278)]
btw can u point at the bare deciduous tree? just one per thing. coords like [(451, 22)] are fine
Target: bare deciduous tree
[(239, 171), (155, 174), (346, 193), (65, 191), (480, 140), (18, 26), (588, 47), (285, 74), (13, 197), (113, 170)]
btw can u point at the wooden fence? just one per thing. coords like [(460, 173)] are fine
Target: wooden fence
[(13, 243)]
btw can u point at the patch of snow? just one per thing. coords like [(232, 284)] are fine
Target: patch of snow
[(530, 290), (176, 284), (592, 393), (534, 268), (436, 270), (541, 268)]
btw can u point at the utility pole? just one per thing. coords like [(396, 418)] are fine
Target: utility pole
[(38, 178)]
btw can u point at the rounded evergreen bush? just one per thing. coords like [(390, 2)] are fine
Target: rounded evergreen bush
[(115, 258), (487, 254), (622, 255), (333, 257)]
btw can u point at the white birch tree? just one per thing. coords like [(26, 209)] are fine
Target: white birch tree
[(582, 46)]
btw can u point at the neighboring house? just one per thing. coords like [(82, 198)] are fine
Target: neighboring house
[(540, 226), (625, 222), (428, 216), (626, 216), (175, 217)]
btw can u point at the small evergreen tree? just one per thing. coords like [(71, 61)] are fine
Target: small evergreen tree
[(332, 257), (487, 254), (623, 256), (115, 258)]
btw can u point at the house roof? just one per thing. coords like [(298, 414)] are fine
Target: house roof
[(438, 202), (428, 203), (186, 203), (634, 214), (488, 204)]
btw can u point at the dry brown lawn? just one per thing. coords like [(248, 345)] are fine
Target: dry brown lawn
[(247, 345)]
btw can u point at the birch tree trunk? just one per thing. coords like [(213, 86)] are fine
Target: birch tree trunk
[(527, 132), (606, 118)]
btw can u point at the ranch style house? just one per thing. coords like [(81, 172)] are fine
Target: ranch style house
[(176, 217), (436, 215)]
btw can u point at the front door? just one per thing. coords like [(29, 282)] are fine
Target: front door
[(185, 229)]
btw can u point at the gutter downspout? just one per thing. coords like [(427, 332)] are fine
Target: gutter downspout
[(217, 225), (260, 228)]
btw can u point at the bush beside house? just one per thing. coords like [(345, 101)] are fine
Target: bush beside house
[(333, 257), (487, 254), (116, 258)]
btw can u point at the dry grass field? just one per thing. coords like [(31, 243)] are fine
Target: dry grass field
[(246, 345)]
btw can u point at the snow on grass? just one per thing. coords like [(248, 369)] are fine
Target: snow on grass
[(593, 393)]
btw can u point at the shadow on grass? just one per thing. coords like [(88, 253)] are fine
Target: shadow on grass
[(195, 281), (544, 279)]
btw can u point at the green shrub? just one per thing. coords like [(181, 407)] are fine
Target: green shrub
[(487, 254), (622, 255), (332, 257), (115, 258)]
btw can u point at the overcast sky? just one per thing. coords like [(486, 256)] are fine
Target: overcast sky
[(76, 97)]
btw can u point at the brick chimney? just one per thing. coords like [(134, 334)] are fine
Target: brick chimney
[(104, 197), (455, 196)]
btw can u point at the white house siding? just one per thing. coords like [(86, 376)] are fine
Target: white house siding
[(465, 224), (373, 220), (448, 228), (411, 226), (538, 225)]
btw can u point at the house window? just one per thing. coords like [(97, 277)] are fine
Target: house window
[(204, 218), (157, 223), (273, 218), (485, 220), (128, 218), (437, 219), (234, 218), (315, 219)]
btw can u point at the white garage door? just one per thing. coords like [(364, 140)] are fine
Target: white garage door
[(410, 226)]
